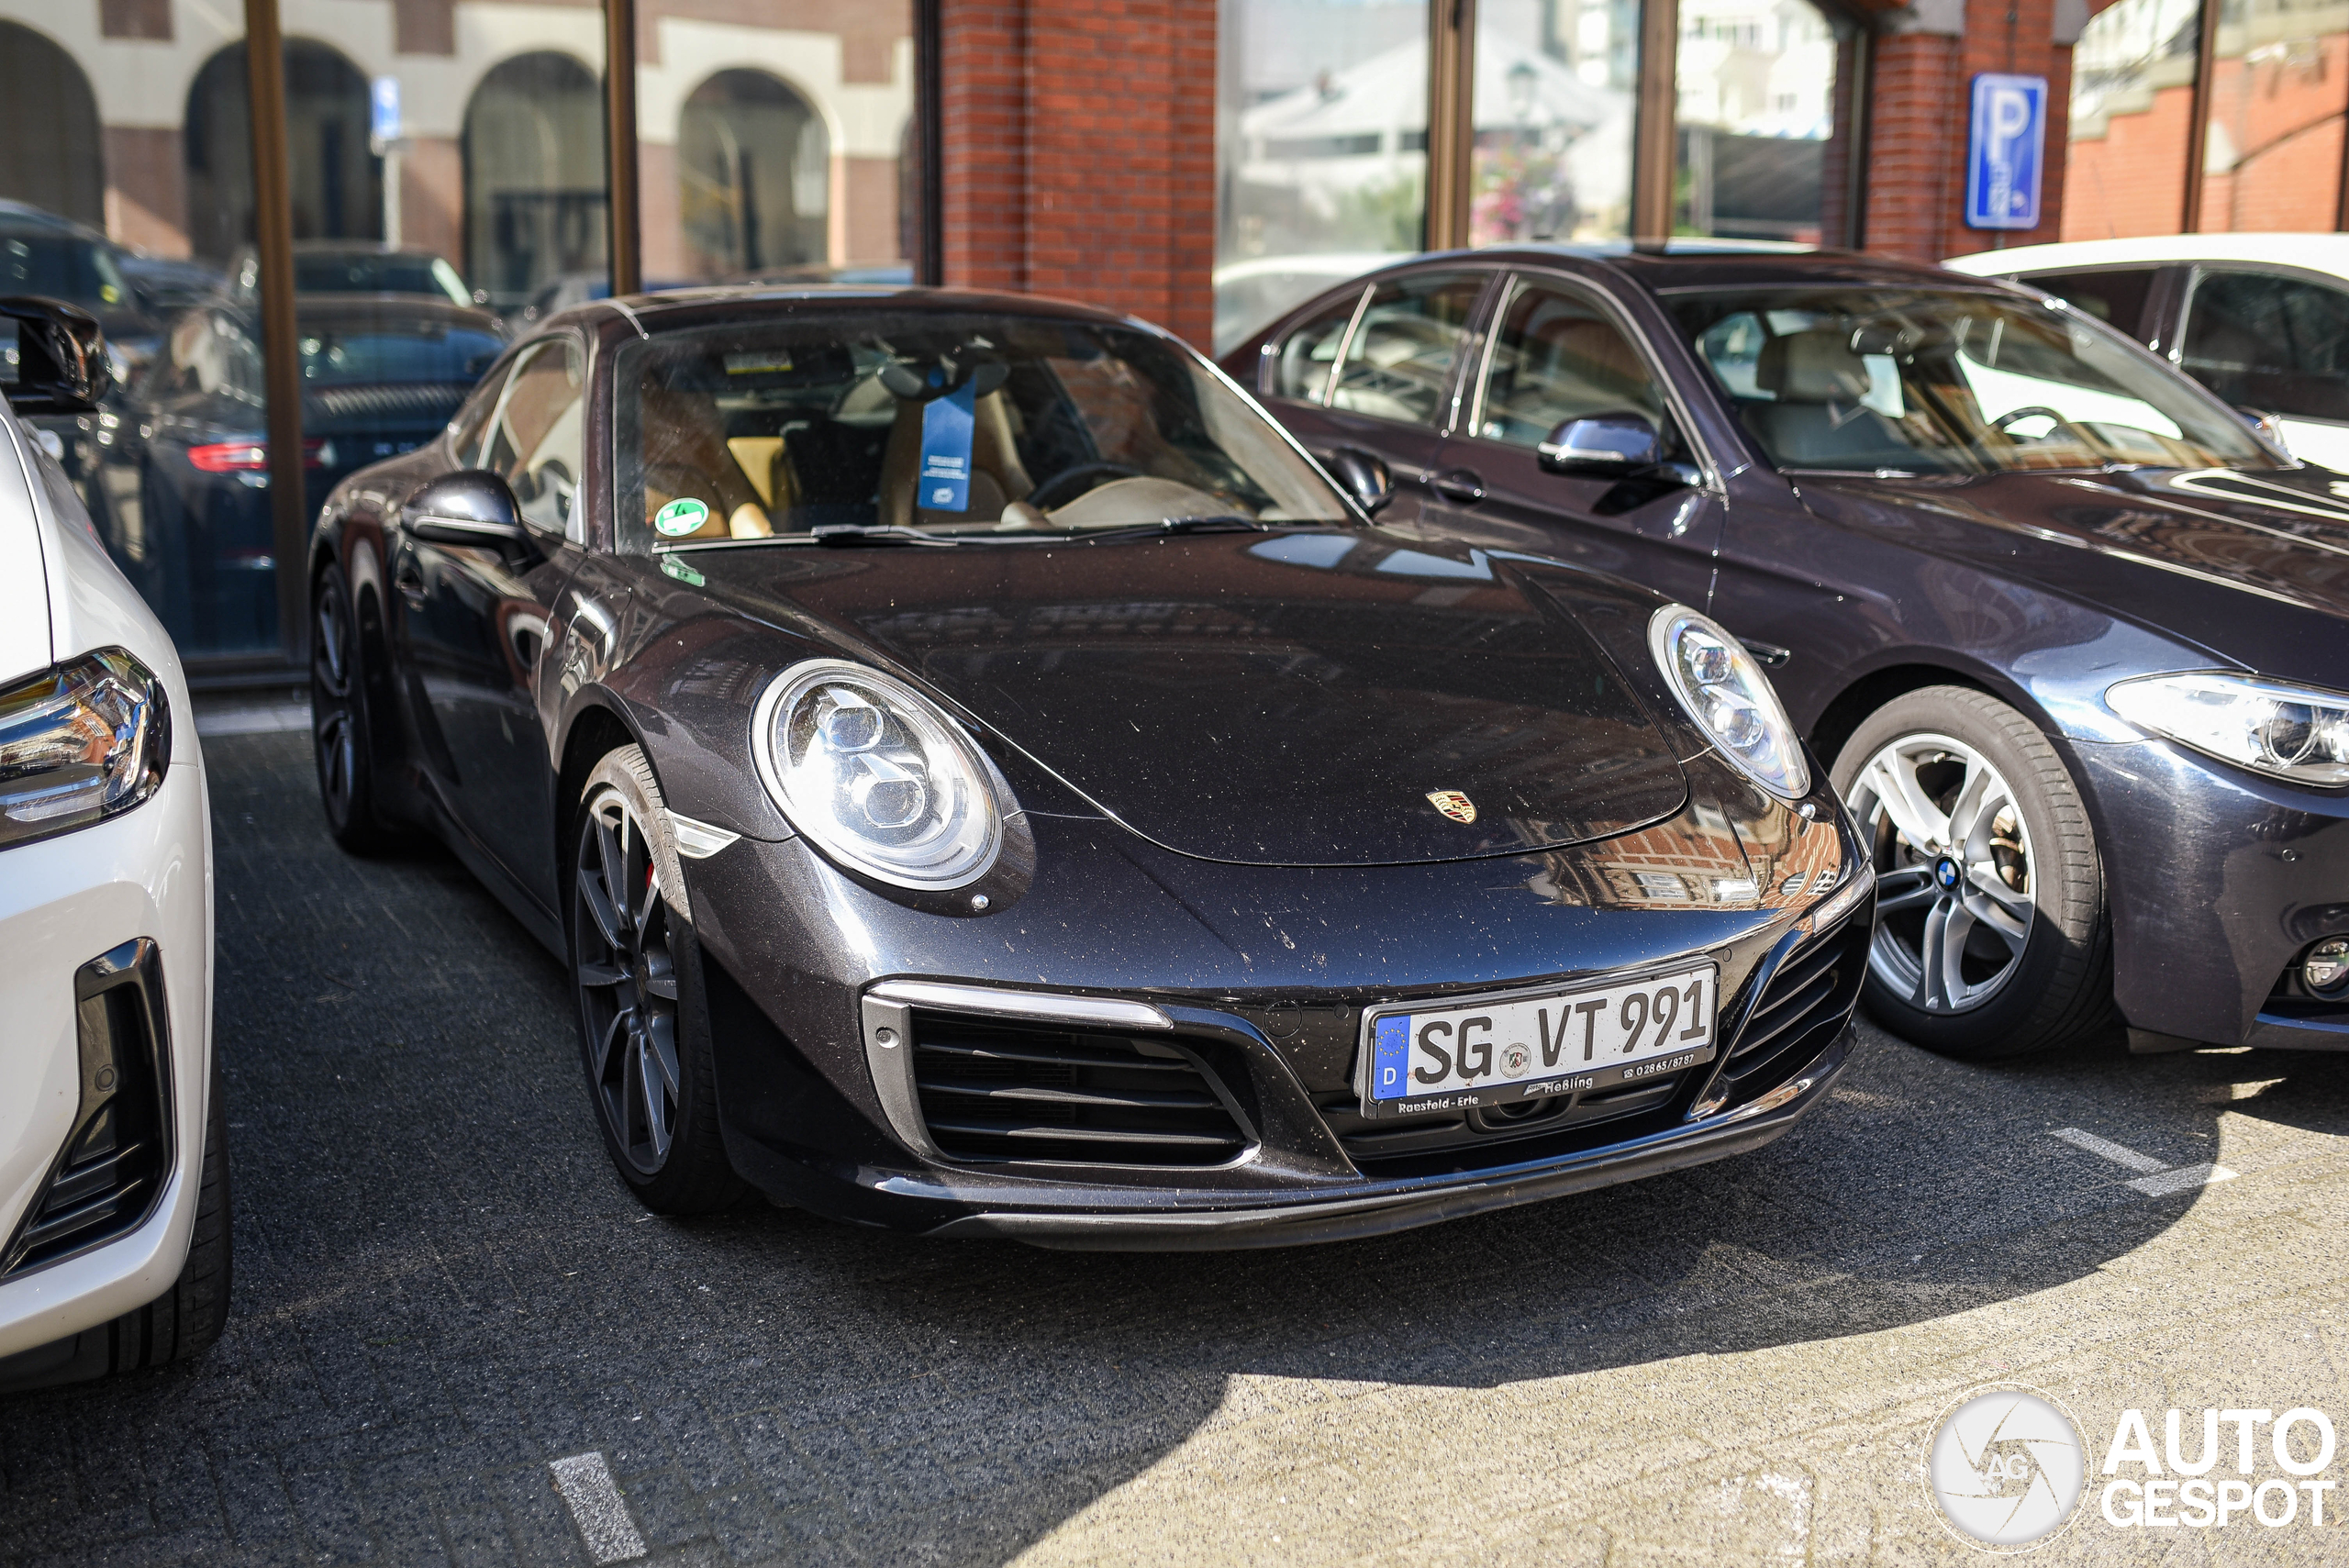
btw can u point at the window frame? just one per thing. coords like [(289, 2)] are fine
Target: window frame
[(1611, 310), (1470, 346)]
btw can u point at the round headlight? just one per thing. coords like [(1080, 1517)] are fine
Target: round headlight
[(879, 778), (1726, 692)]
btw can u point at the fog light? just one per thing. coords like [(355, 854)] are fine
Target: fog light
[(2326, 967)]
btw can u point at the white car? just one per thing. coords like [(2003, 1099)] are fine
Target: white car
[(114, 1184), (2261, 319)]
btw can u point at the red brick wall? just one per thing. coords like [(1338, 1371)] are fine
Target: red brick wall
[(1922, 102), (1080, 153)]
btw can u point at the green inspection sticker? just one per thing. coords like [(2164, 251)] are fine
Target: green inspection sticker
[(681, 517)]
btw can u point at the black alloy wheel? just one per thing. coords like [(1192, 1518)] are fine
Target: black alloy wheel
[(643, 1031), (339, 719)]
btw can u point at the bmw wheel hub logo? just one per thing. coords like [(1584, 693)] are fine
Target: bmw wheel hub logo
[(1945, 872), (2005, 1467)]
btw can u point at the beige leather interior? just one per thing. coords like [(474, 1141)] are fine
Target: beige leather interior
[(1817, 366), (690, 457)]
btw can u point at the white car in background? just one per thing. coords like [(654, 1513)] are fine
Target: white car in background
[(2261, 319), (114, 1184)]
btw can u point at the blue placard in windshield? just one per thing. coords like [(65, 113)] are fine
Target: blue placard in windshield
[(946, 424)]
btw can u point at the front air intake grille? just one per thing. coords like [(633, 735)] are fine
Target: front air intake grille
[(1815, 983), (992, 1091), (111, 1171)]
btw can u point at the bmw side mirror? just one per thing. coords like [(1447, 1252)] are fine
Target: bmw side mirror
[(1365, 477), (1602, 446), (63, 366), (473, 506)]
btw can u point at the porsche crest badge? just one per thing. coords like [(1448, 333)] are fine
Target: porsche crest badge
[(1452, 804)]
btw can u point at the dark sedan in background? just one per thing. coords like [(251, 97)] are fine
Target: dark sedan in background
[(984, 779), (2076, 639), (182, 496)]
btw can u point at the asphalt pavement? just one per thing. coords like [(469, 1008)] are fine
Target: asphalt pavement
[(456, 1339)]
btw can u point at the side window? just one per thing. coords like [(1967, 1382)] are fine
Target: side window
[(1309, 353), (2115, 295), (537, 441), (1400, 363), (1556, 359), (2268, 342), (472, 419)]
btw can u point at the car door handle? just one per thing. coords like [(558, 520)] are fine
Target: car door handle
[(1463, 485)]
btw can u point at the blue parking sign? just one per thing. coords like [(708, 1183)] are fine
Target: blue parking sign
[(2004, 156)]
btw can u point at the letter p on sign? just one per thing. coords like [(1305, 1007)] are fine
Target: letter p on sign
[(2005, 153)]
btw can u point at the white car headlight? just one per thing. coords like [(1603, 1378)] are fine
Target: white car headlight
[(879, 778), (1726, 692), (80, 744), (2300, 733)]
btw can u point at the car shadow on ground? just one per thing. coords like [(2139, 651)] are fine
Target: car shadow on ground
[(442, 1287)]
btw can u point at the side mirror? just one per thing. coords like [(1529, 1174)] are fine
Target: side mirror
[(473, 506), (61, 362), (1365, 477), (1602, 446)]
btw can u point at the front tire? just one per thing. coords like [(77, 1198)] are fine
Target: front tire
[(1991, 937), (644, 1025)]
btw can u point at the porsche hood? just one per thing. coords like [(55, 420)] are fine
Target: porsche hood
[(1296, 699)]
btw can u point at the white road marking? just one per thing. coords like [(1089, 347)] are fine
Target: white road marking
[(2167, 1182), (2109, 1150), (585, 1482), (2159, 1180)]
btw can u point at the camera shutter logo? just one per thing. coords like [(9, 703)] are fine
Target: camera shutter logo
[(2005, 1467)]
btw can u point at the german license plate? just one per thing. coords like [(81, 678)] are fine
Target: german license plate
[(1524, 1045)]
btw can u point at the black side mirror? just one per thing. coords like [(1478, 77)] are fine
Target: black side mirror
[(1365, 477), (61, 357), (1602, 446), (472, 507)]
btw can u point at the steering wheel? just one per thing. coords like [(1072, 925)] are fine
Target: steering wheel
[(2041, 411), (1070, 482)]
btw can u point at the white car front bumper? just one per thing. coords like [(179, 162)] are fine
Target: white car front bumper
[(63, 902)]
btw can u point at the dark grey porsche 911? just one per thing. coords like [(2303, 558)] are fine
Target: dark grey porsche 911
[(986, 779)]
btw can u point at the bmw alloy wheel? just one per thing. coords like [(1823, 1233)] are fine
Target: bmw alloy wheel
[(1952, 856), (627, 982)]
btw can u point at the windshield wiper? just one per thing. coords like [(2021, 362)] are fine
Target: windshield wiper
[(1212, 523)]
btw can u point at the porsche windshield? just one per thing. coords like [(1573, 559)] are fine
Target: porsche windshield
[(947, 425), (1928, 381)]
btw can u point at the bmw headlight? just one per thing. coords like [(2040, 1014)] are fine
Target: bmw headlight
[(880, 779), (2300, 733), (1726, 692), (80, 744)]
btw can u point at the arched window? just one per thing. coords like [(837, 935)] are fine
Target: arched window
[(753, 175), (337, 181), (49, 129), (534, 177)]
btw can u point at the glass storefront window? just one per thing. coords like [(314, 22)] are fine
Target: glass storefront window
[(2133, 115), (1320, 149), (775, 151), (126, 187), (1556, 89), (1755, 84), (2279, 82)]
